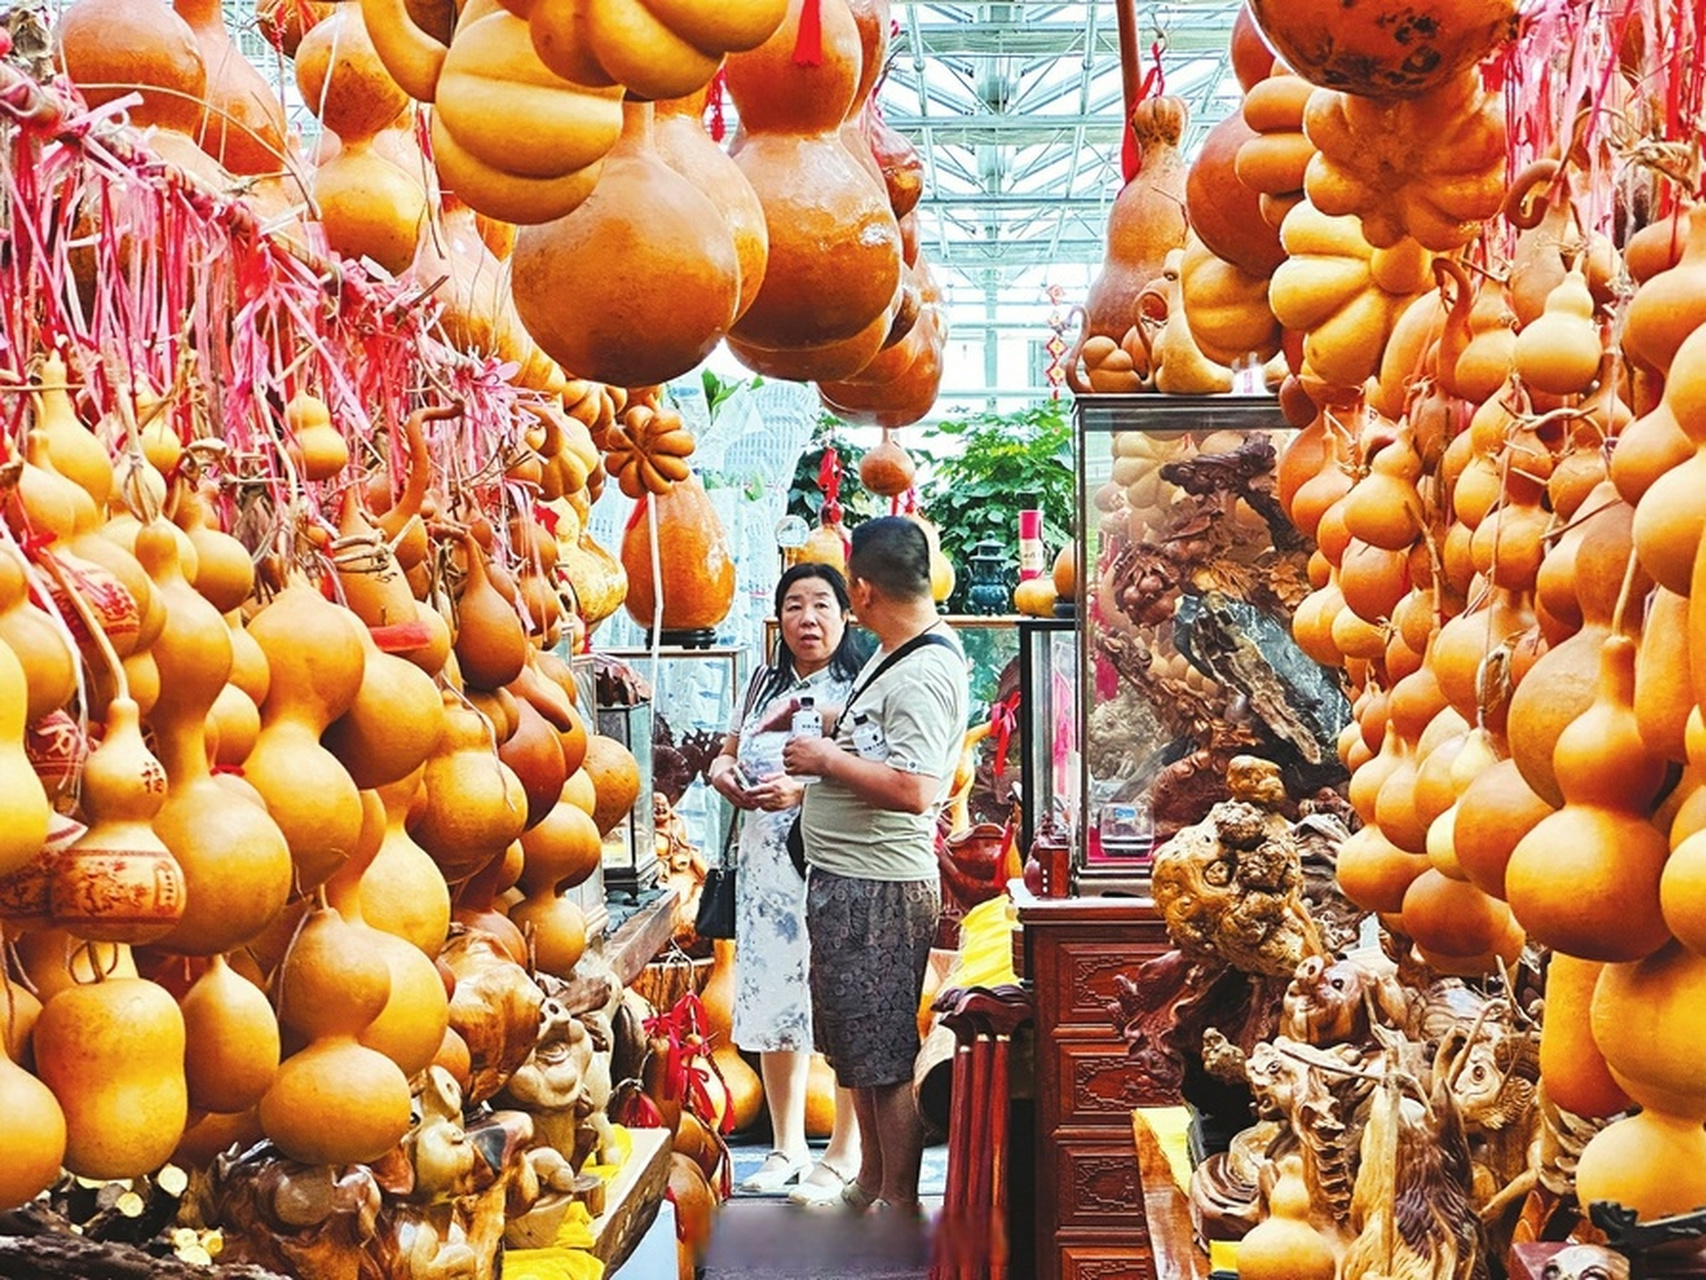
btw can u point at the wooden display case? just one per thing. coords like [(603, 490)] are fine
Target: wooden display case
[(1089, 1195)]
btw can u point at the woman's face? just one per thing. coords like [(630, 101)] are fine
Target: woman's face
[(811, 621)]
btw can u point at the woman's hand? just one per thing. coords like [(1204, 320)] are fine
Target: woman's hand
[(777, 792), (725, 780)]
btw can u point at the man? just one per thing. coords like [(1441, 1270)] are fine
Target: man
[(869, 829)]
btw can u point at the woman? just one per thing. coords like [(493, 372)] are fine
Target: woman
[(815, 656)]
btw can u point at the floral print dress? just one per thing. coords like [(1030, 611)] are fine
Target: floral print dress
[(773, 1010)]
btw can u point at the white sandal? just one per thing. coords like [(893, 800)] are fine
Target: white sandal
[(815, 1191), (777, 1171)]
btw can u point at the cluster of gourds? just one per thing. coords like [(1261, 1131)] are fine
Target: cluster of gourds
[(1506, 505), (229, 928), (581, 122)]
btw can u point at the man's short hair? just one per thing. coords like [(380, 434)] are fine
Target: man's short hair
[(893, 555)]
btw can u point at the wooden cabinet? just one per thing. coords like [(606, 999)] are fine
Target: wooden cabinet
[(1089, 1197)]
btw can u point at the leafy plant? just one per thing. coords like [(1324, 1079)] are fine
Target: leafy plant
[(718, 390), (1004, 463)]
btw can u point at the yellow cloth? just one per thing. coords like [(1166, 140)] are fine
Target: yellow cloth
[(1222, 1256), (1171, 1126), (985, 957), (551, 1264)]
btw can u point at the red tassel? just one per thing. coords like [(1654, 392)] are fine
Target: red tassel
[(717, 126), (808, 45), (1131, 159)]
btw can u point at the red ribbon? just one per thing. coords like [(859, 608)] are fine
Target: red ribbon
[(808, 45), (1153, 86), (714, 105), (1003, 720)]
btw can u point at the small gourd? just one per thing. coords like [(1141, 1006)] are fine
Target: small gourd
[(410, 1027), (1585, 880), (76, 452), (112, 1051), (491, 642), (1577, 1078), (225, 572), (231, 1040), (314, 652), (22, 798), (697, 572), (1283, 1246), (50, 669), (404, 892), (392, 725), (1670, 516), (1559, 351), (475, 806), (335, 1101), (319, 447)]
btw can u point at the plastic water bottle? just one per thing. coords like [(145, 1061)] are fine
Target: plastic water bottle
[(807, 723)]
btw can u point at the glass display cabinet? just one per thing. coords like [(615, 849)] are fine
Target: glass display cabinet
[(1048, 718), (1190, 575), (694, 696)]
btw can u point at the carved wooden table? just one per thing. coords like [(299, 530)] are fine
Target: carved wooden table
[(1089, 1196)]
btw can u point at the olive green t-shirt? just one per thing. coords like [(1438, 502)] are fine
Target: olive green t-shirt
[(919, 706)]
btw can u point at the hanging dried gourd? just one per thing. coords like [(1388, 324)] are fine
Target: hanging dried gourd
[(1344, 294), (485, 85), (1431, 168), (1384, 49), (695, 574), (659, 278), (1226, 307), (1275, 159), (647, 451), (242, 123), (826, 305)]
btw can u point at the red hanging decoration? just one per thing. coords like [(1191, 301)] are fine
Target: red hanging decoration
[(1003, 721), (714, 105), (808, 45), (829, 473), (1154, 85)]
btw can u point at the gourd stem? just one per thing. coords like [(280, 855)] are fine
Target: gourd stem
[(657, 586)]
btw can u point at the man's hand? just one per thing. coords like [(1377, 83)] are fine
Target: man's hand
[(813, 757)]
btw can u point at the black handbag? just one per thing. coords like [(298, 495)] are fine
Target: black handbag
[(716, 917), (797, 847)]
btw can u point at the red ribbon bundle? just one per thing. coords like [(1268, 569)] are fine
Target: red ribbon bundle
[(1154, 85), (681, 1027)]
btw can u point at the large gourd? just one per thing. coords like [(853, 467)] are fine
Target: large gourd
[(1380, 48), (112, 1051), (696, 579), (1146, 223), (231, 1040), (242, 124), (835, 254), (121, 46), (684, 146), (657, 275)]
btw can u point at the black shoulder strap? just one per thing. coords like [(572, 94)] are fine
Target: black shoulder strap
[(917, 642)]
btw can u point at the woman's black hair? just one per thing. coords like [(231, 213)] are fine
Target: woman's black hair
[(849, 655)]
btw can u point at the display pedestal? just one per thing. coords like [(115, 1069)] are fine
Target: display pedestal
[(1089, 1195)]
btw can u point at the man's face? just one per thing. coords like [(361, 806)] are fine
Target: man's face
[(859, 594)]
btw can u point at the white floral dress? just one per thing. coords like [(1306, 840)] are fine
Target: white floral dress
[(773, 1008)]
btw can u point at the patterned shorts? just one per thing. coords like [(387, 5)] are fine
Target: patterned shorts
[(870, 943)]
